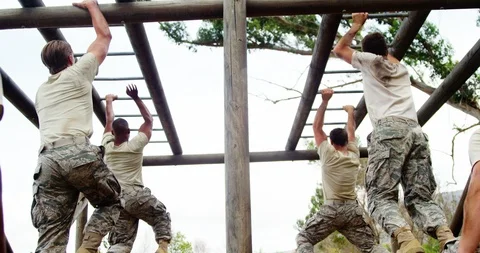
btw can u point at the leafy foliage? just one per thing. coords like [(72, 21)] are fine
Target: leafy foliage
[(179, 244)]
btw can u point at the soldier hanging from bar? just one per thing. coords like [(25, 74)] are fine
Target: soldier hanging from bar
[(340, 159), (124, 156), (67, 163), (398, 151)]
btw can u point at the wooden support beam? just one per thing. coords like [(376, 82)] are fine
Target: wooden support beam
[(237, 159), (143, 52), (457, 219), (452, 83), (321, 53), (175, 10), (270, 156), (19, 99), (404, 37)]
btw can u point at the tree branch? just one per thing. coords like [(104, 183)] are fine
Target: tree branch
[(459, 131), (464, 107)]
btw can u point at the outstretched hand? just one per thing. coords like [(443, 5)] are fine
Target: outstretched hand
[(111, 97), (326, 94), (349, 108), (132, 91), (359, 18), (85, 3)]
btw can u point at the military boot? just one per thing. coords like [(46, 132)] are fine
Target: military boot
[(406, 241), (162, 247), (444, 235), (90, 244)]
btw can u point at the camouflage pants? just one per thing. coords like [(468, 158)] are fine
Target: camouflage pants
[(348, 219), (61, 174), (453, 247), (399, 153), (139, 204)]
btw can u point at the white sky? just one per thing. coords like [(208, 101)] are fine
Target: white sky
[(193, 83)]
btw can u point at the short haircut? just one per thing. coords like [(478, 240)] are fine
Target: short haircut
[(375, 43), (120, 127), (55, 55), (339, 136)]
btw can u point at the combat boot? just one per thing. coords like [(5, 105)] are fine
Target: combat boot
[(90, 244), (162, 247), (406, 241), (444, 235)]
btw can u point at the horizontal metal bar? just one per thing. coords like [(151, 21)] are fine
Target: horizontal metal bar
[(381, 15), (328, 123), (135, 78), (129, 98), (154, 129), (132, 115), (175, 10), (347, 71), (345, 91), (329, 109), (158, 142), (109, 54), (272, 156)]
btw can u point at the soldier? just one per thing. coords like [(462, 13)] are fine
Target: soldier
[(398, 151), (341, 211), (124, 157), (67, 163)]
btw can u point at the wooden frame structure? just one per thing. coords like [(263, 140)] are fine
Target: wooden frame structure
[(234, 12)]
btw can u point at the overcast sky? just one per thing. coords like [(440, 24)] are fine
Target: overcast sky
[(193, 84)]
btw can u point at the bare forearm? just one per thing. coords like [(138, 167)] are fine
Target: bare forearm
[(347, 39), (99, 22), (470, 233), (109, 112), (147, 117), (319, 117), (351, 126)]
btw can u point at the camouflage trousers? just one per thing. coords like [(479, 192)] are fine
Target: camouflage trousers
[(139, 204), (398, 152), (348, 219), (61, 174), (452, 247)]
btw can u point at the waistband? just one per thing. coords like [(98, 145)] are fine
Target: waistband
[(340, 201), (396, 119), (74, 140)]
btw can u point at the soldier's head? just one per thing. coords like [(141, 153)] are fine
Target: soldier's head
[(57, 55), (121, 129), (339, 137), (375, 43)]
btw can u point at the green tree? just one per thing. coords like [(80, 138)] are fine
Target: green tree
[(179, 244)]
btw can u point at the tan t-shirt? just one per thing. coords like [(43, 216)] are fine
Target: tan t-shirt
[(64, 103), (339, 171), (474, 147), (386, 87), (125, 160)]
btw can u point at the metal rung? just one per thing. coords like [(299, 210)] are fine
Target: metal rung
[(158, 142), (347, 71), (136, 129), (129, 98), (329, 109), (135, 78), (311, 136), (328, 123), (345, 91), (109, 54), (132, 115), (381, 15)]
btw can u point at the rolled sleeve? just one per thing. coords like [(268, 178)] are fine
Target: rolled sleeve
[(138, 142), (474, 147), (362, 60), (87, 66), (325, 150), (107, 137), (352, 147)]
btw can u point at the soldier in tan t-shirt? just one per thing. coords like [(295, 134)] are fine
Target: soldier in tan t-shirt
[(340, 211), (124, 157), (67, 163)]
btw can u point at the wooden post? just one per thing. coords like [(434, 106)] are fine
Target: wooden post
[(80, 226), (237, 174)]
